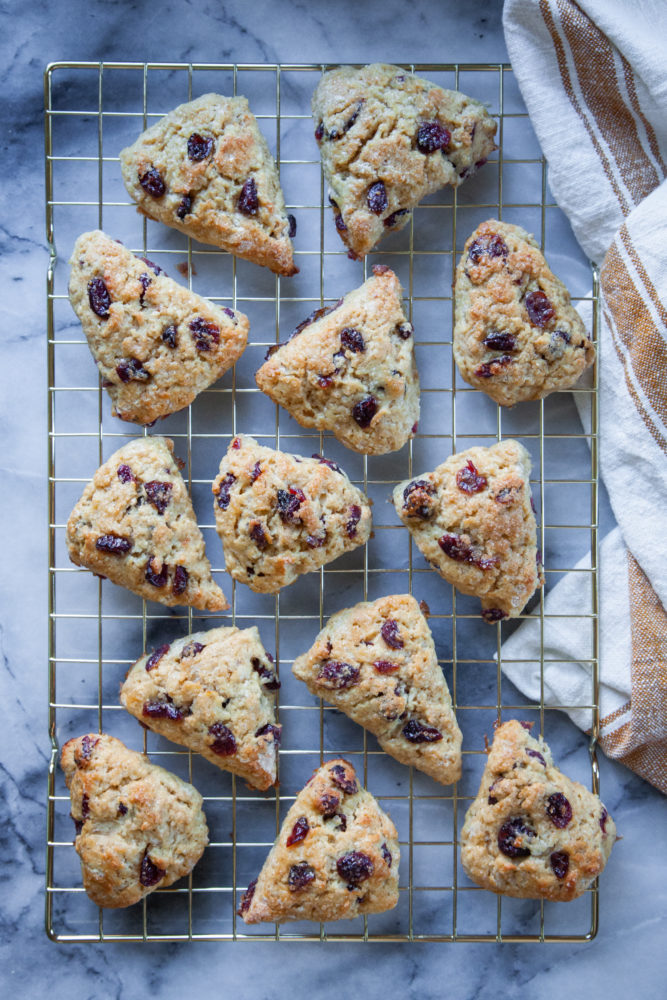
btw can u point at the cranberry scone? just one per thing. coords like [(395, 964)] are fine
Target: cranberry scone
[(532, 832), (336, 855), (377, 663), (388, 138), (212, 692), (206, 170), (516, 333), (156, 344), (135, 525), (473, 520), (139, 827), (351, 369), (281, 515)]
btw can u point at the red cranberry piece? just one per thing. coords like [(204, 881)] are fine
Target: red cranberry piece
[(327, 461), (181, 577), (386, 854), (223, 493), (342, 821), (156, 656), (256, 471), (300, 876), (376, 198), (392, 219), (496, 341), (87, 747), (124, 473), (314, 316), (512, 837), (339, 777), (99, 298), (324, 381), (319, 131), (85, 809), (288, 503), (248, 202), (405, 331), (292, 226), (328, 803), (78, 826), (355, 516), (469, 480), (154, 267), (364, 411), (538, 756), (432, 136), (152, 182), (559, 810), (316, 541), (389, 633), (275, 732), (162, 710), (352, 340), (117, 545), (454, 547), (144, 280), (526, 725), (223, 743), (417, 499), (506, 495), (150, 874), (299, 832), (540, 310), (184, 207), (386, 667), (604, 815), (492, 800), (491, 368), (158, 494), (236, 444), (246, 898), (156, 579), (487, 246), (354, 868), (122, 809), (492, 615), (132, 371), (269, 678), (560, 863), (417, 732), (169, 336), (258, 536), (334, 674), (204, 333), (339, 222), (192, 649), (199, 147)]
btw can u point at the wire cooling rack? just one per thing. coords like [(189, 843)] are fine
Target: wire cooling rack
[(96, 630)]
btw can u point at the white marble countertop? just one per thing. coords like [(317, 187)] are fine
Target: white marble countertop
[(627, 957)]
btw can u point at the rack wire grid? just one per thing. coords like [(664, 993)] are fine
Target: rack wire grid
[(97, 630)]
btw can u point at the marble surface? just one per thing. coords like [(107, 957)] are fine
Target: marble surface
[(627, 958)]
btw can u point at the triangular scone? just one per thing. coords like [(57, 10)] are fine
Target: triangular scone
[(473, 520), (135, 525), (531, 832), (281, 515), (336, 855), (139, 827), (351, 370), (155, 343), (516, 334), (377, 663), (388, 138), (212, 692), (206, 170)]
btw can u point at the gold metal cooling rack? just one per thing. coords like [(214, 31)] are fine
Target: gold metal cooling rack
[(96, 630)]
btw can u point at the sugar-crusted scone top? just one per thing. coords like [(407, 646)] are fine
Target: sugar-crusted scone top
[(280, 515), (214, 693), (336, 855), (351, 369), (532, 832), (139, 827), (135, 525), (516, 334), (472, 519), (377, 663), (205, 169), (387, 139), (155, 343)]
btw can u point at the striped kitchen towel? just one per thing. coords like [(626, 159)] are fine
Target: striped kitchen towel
[(593, 76)]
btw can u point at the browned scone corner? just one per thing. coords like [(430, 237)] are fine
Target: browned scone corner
[(532, 832)]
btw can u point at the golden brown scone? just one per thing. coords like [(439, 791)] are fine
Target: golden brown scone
[(351, 369), (155, 343), (377, 663), (336, 855), (206, 170), (387, 139), (135, 525), (212, 692), (281, 515), (139, 827), (472, 519), (516, 335), (531, 832)]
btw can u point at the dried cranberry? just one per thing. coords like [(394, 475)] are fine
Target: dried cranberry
[(454, 547), (87, 747), (469, 480), (169, 336), (275, 732), (162, 710), (124, 473), (204, 333), (540, 310), (319, 131), (122, 809), (497, 341), (154, 578), (327, 461), (342, 821), (158, 494), (334, 134), (352, 340), (199, 147), (154, 267), (117, 545), (537, 755), (181, 577), (192, 649), (156, 656), (292, 226), (85, 809), (560, 863), (99, 298), (299, 832), (316, 541), (340, 778), (405, 331), (334, 674), (150, 873), (355, 516), (152, 182), (417, 732), (392, 219), (506, 495), (256, 471), (354, 868), (132, 371), (559, 810), (512, 837), (328, 804), (386, 666), (376, 198), (432, 136), (491, 368), (300, 876), (526, 725), (248, 202), (314, 316), (386, 854), (246, 898), (492, 800), (288, 503), (184, 207), (144, 280), (324, 381), (487, 246), (364, 411), (223, 492), (389, 633), (339, 222), (417, 498), (269, 678), (78, 825), (493, 615), (223, 743), (604, 815)]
